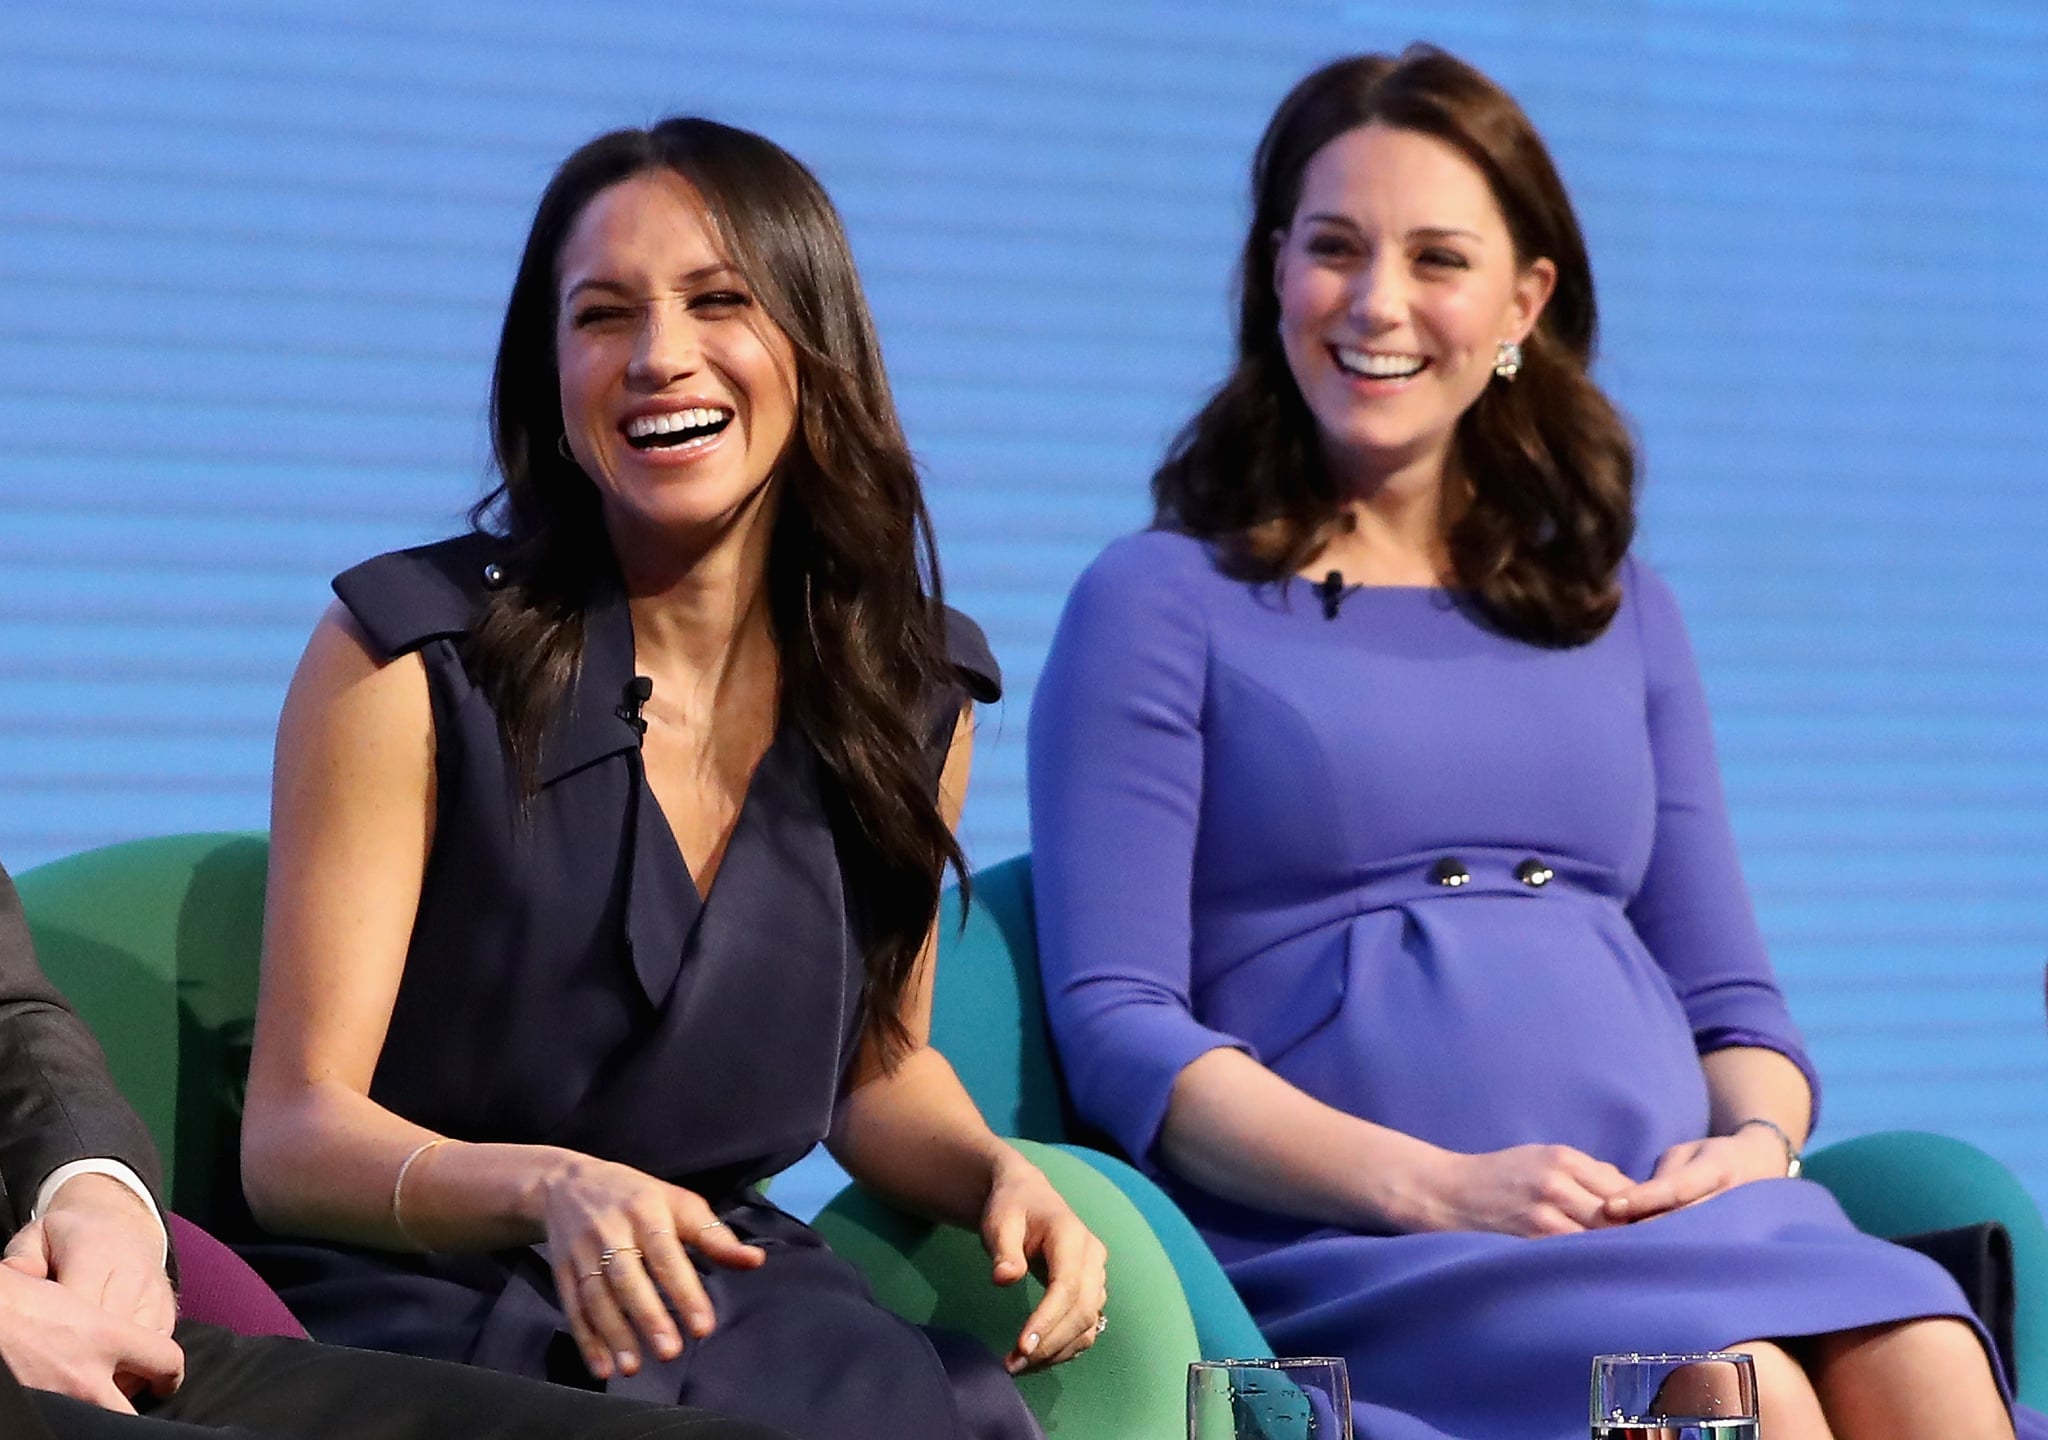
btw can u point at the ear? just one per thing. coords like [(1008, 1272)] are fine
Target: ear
[(1533, 288)]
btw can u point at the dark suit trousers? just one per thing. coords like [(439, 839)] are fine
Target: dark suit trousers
[(266, 1388)]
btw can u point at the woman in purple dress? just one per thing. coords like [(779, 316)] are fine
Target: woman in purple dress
[(1388, 907), (606, 852)]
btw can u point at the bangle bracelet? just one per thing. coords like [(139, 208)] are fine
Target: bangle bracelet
[(1792, 1160), (398, 1193)]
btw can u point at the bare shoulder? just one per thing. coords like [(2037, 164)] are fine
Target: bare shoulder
[(345, 689)]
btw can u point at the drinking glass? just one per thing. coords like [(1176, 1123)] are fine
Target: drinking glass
[(1304, 1399), (1674, 1397)]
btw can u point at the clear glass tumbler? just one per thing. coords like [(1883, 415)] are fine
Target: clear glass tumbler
[(1674, 1397), (1289, 1399)]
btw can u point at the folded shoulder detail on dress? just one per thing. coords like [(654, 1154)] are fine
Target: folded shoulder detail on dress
[(968, 649), (407, 597)]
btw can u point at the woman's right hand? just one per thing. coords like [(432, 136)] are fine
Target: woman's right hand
[(617, 1238), (1529, 1190)]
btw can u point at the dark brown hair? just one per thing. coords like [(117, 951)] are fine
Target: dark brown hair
[(1549, 462), (853, 584)]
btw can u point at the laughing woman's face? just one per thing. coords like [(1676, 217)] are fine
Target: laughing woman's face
[(678, 391)]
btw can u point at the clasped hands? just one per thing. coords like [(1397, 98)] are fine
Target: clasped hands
[(618, 1242), (1536, 1190), (86, 1309)]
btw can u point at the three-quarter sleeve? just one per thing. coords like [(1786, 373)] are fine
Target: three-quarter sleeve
[(1115, 772), (1693, 910)]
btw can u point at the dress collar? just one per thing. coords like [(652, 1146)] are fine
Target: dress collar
[(594, 720)]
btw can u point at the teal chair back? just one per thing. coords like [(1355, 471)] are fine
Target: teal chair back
[(988, 1019), (1910, 1182)]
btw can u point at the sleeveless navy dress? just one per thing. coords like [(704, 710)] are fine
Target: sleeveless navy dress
[(566, 986)]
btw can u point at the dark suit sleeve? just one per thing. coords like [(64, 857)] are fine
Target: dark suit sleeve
[(58, 1100)]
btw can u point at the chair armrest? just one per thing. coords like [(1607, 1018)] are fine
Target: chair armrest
[(1223, 1327), (1907, 1182), (1131, 1386)]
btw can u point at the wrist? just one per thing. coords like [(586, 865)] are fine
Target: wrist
[(1773, 1131), (97, 1188), (1415, 1192), (552, 1168), (111, 1195), (1008, 1165)]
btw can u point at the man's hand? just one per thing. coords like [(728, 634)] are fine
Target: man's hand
[(98, 1241), (54, 1340)]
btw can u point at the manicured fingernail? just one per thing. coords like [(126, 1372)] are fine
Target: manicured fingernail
[(628, 1362), (1015, 1364), (668, 1345), (1031, 1343)]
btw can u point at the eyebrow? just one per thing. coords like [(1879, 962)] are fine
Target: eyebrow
[(621, 288), (1420, 232)]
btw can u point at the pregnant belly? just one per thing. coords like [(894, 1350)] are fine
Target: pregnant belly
[(1481, 1022)]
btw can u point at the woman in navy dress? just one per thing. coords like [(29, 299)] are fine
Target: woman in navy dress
[(606, 851), (1388, 908)]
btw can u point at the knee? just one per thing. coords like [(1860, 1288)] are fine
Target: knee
[(1936, 1344), (1945, 1342), (1786, 1403)]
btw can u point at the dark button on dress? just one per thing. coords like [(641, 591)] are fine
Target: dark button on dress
[(567, 986)]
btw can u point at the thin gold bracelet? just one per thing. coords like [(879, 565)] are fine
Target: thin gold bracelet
[(398, 1193)]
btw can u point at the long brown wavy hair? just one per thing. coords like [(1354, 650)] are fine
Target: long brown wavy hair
[(1548, 460), (853, 581)]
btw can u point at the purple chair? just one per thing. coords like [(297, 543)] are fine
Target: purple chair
[(217, 1287)]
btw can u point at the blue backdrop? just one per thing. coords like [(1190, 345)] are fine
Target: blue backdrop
[(252, 256)]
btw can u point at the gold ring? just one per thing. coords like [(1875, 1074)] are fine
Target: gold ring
[(604, 1261), (714, 1225)]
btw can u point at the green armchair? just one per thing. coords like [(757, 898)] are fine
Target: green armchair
[(156, 942)]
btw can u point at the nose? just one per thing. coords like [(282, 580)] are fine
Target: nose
[(1376, 289), (666, 349)]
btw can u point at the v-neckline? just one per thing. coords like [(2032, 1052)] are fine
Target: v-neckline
[(701, 896)]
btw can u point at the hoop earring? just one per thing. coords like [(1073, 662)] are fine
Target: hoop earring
[(562, 448), (1507, 359)]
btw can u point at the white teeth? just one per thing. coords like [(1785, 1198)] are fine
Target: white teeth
[(670, 421), (1377, 366)]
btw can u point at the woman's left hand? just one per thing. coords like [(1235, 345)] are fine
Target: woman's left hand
[(1700, 1169), (1027, 1226)]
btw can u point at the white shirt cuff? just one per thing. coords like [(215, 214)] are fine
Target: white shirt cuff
[(113, 1170)]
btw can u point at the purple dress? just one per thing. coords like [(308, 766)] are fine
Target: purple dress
[(566, 986), (1244, 816)]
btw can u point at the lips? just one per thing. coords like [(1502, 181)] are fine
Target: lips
[(1378, 364)]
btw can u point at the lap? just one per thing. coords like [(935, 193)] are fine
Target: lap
[(282, 1389)]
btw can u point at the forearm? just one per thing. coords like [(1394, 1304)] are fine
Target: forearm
[(1750, 1083), (326, 1162), (1240, 1131), (915, 1137), (58, 1102)]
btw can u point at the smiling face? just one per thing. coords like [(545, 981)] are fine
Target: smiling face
[(678, 392), (1397, 281)]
